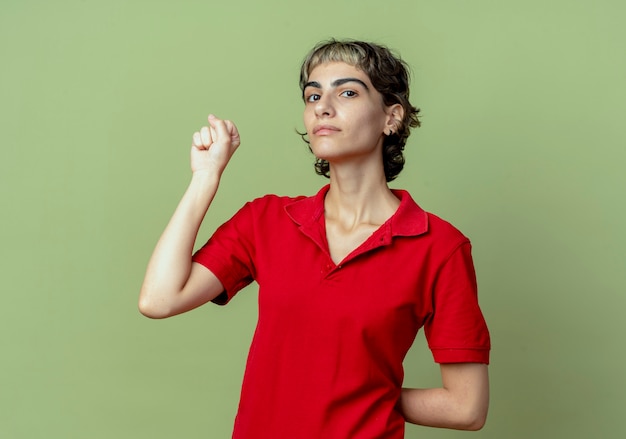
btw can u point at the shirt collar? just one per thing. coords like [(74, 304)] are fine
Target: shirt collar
[(408, 220)]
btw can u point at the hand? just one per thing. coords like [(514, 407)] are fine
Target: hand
[(213, 146)]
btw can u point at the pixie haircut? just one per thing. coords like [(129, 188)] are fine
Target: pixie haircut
[(390, 77)]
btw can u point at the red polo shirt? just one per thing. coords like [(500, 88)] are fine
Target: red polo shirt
[(326, 357)]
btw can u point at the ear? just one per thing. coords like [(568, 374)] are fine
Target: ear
[(395, 114)]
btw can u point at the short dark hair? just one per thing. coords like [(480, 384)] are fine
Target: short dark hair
[(389, 75)]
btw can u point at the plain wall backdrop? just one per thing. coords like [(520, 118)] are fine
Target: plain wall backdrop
[(522, 147)]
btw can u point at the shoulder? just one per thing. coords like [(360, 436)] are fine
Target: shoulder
[(412, 219), (301, 208), (256, 217), (271, 208), (272, 201), (441, 229), (446, 239)]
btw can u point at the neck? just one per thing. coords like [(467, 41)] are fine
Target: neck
[(359, 197)]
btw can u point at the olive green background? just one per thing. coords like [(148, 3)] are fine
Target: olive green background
[(522, 147)]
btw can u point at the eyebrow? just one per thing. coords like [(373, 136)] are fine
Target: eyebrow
[(336, 83)]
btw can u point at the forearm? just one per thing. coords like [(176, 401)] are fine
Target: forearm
[(461, 403), (170, 264)]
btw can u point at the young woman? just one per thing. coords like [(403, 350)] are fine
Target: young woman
[(346, 277)]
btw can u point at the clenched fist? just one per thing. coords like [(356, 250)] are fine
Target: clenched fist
[(214, 145)]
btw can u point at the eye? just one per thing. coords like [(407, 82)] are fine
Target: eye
[(349, 94), (312, 97)]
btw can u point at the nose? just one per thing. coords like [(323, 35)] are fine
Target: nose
[(324, 106)]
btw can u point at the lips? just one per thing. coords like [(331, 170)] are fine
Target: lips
[(321, 130)]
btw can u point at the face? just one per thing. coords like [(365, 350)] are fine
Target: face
[(344, 114)]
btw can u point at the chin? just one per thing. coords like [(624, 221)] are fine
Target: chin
[(325, 151)]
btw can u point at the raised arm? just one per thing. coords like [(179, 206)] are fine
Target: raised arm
[(461, 403), (173, 284)]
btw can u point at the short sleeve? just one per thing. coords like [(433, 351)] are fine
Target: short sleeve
[(229, 254), (456, 330)]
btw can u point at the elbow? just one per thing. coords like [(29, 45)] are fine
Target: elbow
[(475, 424), (150, 307), (150, 311), (473, 420)]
